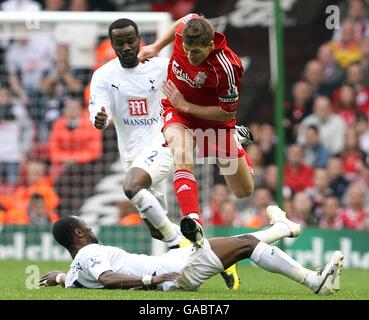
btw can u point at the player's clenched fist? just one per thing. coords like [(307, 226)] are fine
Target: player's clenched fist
[(101, 119)]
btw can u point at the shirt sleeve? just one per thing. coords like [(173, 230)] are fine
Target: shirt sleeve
[(99, 97), (96, 264), (185, 19), (230, 74)]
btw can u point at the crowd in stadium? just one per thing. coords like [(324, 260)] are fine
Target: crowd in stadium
[(48, 146)]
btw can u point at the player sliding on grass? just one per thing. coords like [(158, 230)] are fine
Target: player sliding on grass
[(128, 93), (202, 89), (97, 266)]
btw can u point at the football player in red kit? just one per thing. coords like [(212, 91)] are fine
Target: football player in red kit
[(202, 91)]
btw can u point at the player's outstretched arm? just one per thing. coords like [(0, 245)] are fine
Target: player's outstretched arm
[(52, 278), (152, 50), (115, 280)]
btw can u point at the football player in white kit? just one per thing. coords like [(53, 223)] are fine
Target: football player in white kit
[(127, 93), (98, 266)]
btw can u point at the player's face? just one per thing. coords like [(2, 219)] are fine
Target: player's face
[(89, 232), (125, 42), (197, 54)]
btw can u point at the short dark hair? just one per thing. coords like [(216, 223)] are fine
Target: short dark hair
[(314, 128), (63, 230), (37, 196), (122, 23), (198, 32)]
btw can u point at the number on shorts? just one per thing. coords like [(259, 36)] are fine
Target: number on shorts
[(153, 155)]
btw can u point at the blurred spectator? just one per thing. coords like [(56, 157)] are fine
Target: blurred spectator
[(271, 179), (355, 79), (355, 11), (319, 192), (315, 154), (297, 109), (256, 215), (104, 53), (256, 157), (16, 134), (333, 74), (345, 106), (58, 83), (346, 49), (36, 182), (74, 147), (352, 156), (354, 213), (298, 176), (79, 5), (219, 193), (20, 5), (128, 214), (73, 140), (364, 62), (331, 126), (177, 8), (338, 183), (364, 179), (54, 5), (230, 215), (38, 213), (267, 142), (301, 211), (331, 214), (131, 5), (81, 39), (314, 75), (26, 60), (362, 130)]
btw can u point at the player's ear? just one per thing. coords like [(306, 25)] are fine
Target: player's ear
[(78, 232), (211, 45)]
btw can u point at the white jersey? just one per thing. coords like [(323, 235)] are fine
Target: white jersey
[(131, 97), (195, 266), (94, 259)]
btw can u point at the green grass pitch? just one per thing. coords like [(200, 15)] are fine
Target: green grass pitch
[(256, 284)]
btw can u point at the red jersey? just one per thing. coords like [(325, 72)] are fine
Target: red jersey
[(215, 82)]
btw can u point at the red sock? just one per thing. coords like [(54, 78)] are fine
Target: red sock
[(187, 192)]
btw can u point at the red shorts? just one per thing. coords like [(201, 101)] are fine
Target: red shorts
[(211, 141)]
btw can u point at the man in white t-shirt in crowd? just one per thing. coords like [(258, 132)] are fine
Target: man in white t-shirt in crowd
[(97, 266)]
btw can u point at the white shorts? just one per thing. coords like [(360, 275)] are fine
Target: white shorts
[(157, 161), (195, 266)]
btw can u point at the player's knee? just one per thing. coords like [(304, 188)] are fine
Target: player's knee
[(244, 192), (131, 189), (249, 243)]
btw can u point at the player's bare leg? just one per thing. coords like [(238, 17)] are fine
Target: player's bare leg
[(238, 176), (181, 142), (136, 185)]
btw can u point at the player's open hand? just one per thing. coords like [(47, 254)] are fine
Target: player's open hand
[(49, 279), (165, 277), (174, 96), (100, 119), (147, 52)]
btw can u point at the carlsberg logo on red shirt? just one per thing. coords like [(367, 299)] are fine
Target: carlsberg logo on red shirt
[(195, 83)]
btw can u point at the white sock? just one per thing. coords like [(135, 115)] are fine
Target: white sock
[(276, 232), (150, 207), (273, 259)]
